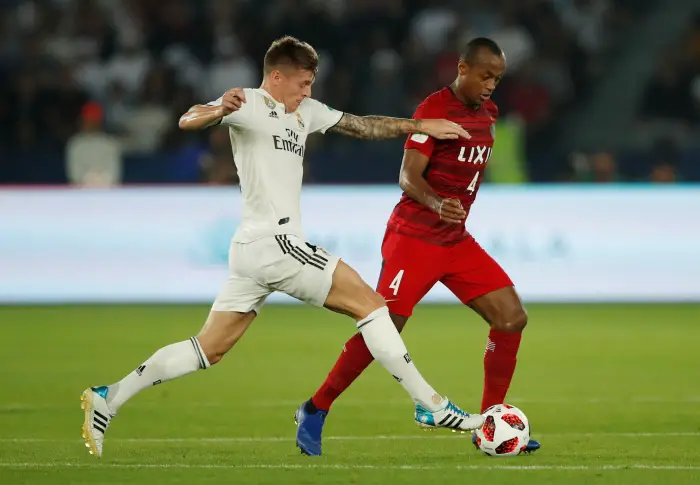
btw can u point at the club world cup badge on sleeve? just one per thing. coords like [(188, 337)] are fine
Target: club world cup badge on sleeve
[(269, 103)]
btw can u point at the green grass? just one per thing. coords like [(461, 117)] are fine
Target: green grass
[(613, 393)]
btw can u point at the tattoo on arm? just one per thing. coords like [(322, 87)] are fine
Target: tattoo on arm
[(375, 127)]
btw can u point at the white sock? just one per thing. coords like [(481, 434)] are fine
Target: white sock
[(168, 363), (387, 347)]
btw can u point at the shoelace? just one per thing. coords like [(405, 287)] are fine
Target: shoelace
[(457, 410)]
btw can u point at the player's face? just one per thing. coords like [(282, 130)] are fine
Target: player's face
[(295, 85), (477, 82)]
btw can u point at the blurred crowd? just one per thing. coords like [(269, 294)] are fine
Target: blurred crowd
[(91, 90)]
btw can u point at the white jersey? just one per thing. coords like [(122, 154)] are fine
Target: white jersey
[(268, 148)]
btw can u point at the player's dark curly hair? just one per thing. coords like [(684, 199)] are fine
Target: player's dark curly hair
[(289, 51), (474, 46)]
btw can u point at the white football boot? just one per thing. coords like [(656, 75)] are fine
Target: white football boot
[(97, 418), (450, 417)]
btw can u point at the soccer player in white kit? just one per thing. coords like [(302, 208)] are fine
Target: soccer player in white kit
[(268, 127)]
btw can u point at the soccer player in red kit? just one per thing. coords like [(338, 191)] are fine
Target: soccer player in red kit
[(426, 240)]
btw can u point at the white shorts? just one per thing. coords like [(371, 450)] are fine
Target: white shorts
[(283, 263)]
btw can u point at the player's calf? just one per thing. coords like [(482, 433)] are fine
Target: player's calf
[(221, 331), (399, 321), (503, 310)]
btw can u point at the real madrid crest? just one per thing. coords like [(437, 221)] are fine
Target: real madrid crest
[(301, 122), (269, 103)]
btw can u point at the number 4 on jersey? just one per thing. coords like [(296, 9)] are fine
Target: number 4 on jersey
[(472, 184), (396, 282)]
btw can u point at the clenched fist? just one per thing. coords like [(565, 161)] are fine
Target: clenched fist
[(232, 100), (450, 210)]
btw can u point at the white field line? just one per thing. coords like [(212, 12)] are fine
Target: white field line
[(21, 406), (293, 466), (290, 439)]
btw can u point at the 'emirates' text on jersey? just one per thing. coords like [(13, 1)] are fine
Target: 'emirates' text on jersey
[(455, 169), (268, 148)]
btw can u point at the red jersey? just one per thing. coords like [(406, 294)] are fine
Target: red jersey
[(455, 169)]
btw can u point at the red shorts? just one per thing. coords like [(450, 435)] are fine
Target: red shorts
[(411, 267)]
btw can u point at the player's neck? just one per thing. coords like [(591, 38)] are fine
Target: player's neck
[(454, 87), (272, 92)]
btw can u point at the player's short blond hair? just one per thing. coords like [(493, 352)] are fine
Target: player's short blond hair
[(289, 51)]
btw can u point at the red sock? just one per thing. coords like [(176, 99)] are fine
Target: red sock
[(351, 363), (499, 366)]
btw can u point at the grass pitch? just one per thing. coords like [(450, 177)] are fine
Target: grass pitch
[(612, 392)]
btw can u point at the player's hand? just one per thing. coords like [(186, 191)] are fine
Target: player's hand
[(450, 210), (232, 100), (444, 129)]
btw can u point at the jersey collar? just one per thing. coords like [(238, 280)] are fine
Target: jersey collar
[(275, 104)]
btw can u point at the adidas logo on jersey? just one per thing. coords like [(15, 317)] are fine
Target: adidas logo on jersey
[(273, 114)]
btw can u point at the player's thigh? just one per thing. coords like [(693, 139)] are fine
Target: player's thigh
[(410, 268), (314, 276), (350, 295), (243, 291), (470, 272)]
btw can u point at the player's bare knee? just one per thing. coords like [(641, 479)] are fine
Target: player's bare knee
[(377, 301), (365, 301), (351, 295), (513, 321), (371, 302)]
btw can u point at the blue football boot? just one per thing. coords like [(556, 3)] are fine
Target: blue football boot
[(309, 421)]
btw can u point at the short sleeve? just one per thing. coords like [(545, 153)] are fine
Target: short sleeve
[(321, 116), (242, 117), (418, 141)]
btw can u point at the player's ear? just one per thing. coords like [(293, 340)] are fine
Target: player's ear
[(462, 67), (276, 77)]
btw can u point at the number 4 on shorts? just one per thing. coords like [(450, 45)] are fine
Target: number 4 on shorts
[(396, 282)]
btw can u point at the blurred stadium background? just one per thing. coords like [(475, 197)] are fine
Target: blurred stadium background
[(596, 90), (592, 198)]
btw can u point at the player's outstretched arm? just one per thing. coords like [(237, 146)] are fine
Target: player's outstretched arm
[(413, 183), (202, 116), (384, 127)]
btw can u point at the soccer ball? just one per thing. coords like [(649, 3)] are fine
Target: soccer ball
[(505, 432)]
